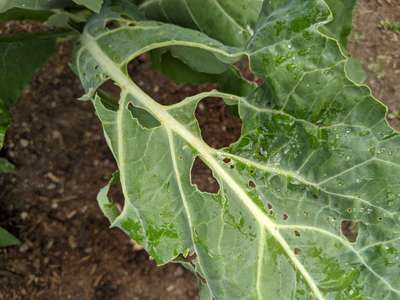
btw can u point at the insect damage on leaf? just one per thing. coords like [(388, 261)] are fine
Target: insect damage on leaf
[(308, 200)]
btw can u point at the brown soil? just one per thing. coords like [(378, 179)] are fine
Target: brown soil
[(68, 251), (379, 51)]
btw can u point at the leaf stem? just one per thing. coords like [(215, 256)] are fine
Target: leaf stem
[(204, 151)]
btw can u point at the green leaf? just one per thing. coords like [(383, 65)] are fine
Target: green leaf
[(32, 4), (199, 60), (18, 63), (4, 121), (5, 166), (94, 5), (20, 14), (106, 205), (16, 50), (7, 239), (231, 22), (229, 81), (308, 205), (340, 27), (221, 19), (355, 71)]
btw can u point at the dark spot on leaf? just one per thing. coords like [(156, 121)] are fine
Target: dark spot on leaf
[(297, 251), (246, 72), (270, 208), (296, 233), (227, 160), (349, 230), (285, 216), (113, 24), (252, 184)]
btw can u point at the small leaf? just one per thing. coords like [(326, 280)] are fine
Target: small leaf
[(16, 50), (5, 166), (7, 239)]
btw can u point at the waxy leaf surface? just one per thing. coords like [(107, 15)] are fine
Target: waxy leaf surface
[(309, 197), (44, 5)]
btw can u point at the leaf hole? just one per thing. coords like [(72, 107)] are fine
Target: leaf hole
[(296, 233), (350, 230), (203, 178), (162, 89), (270, 208), (245, 70), (285, 216), (227, 160), (109, 92), (297, 251), (143, 116), (112, 24), (115, 195), (252, 184), (111, 88), (219, 123)]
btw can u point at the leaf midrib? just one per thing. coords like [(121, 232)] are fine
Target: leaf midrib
[(203, 149)]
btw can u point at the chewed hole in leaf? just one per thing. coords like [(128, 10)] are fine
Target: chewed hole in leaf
[(116, 196), (109, 92), (285, 216), (203, 177), (297, 251), (143, 116), (296, 233), (252, 184), (245, 70), (270, 208), (162, 89), (227, 160), (112, 24), (219, 123), (349, 230)]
